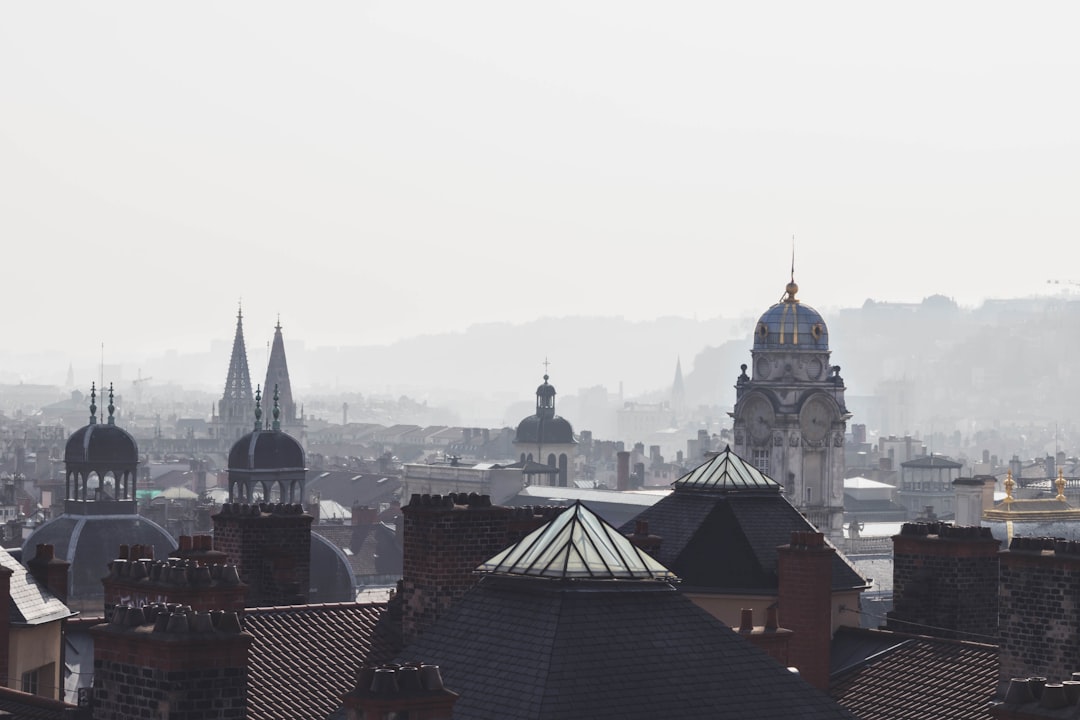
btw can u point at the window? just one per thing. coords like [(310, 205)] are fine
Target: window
[(30, 682), (760, 459)]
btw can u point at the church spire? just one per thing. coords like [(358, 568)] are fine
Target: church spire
[(238, 381), (277, 376)]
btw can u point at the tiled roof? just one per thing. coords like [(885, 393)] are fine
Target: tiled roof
[(32, 707), (726, 471), (726, 542), (523, 648), (31, 603), (917, 677), (576, 544), (305, 657)]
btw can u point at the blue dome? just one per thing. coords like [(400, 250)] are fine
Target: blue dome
[(791, 325)]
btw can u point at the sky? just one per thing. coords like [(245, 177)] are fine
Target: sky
[(378, 170)]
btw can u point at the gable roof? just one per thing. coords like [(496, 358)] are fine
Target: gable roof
[(526, 648), (914, 676), (31, 603), (576, 544), (303, 658), (726, 471)]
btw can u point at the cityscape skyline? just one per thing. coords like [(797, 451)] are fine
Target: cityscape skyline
[(384, 171)]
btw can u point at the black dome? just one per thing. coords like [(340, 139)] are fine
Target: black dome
[(266, 450), (537, 430), (97, 540), (101, 444)]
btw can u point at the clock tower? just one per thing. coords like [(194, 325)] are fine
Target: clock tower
[(790, 416)]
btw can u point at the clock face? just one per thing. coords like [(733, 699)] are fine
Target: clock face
[(816, 419), (814, 367), (757, 413), (762, 368)]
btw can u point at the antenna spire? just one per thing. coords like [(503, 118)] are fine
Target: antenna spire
[(793, 257)]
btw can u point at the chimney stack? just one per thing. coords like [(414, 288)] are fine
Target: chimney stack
[(622, 470), (50, 571), (772, 639), (805, 570), (412, 691)]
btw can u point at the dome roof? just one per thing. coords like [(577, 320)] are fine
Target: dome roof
[(91, 542), (791, 325), (266, 450), (540, 430), (101, 444)]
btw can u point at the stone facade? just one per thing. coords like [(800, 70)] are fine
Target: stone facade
[(945, 582), (1040, 608), (157, 661), (446, 538), (270, 544)]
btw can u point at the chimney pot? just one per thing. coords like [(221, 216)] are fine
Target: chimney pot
[(1019, 692), (385, 681), (431, 677), (772, 621), (1053, 696), (746, 622)]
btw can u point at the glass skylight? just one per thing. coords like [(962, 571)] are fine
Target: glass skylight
[(726, 471)]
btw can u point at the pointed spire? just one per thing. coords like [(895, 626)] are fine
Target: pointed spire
[(93, 404), (577, 544), (238, 381), (112, 407), (277, 376), (277, 411), (258, 409)]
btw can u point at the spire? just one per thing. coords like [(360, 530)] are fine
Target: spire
[(792, 287), (93, 404), (277, 411), (258, 409), (112, 407), (238, 381), (277, 376)]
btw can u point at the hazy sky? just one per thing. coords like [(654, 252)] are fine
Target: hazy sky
[(379, 170)]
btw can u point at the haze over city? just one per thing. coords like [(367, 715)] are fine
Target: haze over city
[(377, 171)]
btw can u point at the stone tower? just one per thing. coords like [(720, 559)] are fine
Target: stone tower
[(546, 438), (234, 408), (790, 416)]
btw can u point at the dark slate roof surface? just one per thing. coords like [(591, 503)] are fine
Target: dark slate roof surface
[(32, 707), (914, 677), (31, 604), (305, 657), (532, 648), (727, 541)]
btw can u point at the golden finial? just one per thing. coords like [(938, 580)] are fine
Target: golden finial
[(1060, 485), (1009, 485)]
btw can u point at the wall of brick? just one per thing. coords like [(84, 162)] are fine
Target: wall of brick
[(446, 537), (180, 664), (805, 603), (270, 544), (945, 582), (1040, 608)]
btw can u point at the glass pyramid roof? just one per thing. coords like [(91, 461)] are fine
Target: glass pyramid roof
[(576, 544), (726, 471)]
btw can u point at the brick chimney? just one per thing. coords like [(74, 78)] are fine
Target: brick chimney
[(413, 691), (364, 515), (643, 539), (771, 638), (622, 470), (50, 571), (170, 661), (137, 579), (446, 538), (1039, 612), (270, 545), (805, 602), (945, 581), (5, 622)]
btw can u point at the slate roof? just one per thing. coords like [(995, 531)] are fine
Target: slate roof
[(910, 677), (576, 544), (31, 604), (353, 488), (305, 657), (932, 461), (525, 647), (373, 549), (726, 541), (32, 707)]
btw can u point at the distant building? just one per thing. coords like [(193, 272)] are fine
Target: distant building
[(546, 438), (790, 416), (927, 482)]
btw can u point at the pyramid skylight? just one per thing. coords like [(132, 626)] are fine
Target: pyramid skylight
[(726, 471), (576, 544)]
